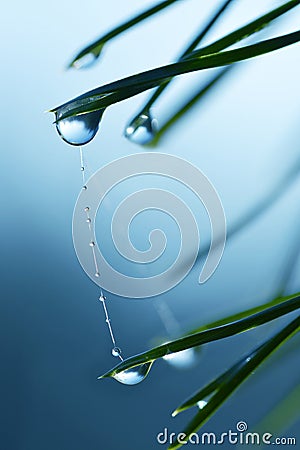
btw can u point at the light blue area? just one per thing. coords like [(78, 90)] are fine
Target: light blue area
[(244, 138)]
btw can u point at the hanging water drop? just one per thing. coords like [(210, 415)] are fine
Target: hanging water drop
[(77, 130), (134, 375), (141, 129), (86, 61)]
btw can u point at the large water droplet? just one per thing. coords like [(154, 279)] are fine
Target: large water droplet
[(142, 129), (86, 61), (78, 130), (185, 359), (134, 375)]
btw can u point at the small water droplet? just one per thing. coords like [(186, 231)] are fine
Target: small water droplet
[(134, 375), (86, 209), (116, 351), (184, 359), (201, 404), (97, 274), (92, 244), (88, 220), (141, 129), (86, 61), (77, 130)]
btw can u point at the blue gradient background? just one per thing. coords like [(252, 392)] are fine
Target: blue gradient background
[(54, 342)]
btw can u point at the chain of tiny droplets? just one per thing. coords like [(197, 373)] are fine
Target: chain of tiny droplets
[(116, 351)]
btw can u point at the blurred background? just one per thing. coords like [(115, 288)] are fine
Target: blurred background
[(244, 137)]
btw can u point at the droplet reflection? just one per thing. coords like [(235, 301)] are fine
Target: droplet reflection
[(134, 375), (184, 359), (77, 130), (142, 129)]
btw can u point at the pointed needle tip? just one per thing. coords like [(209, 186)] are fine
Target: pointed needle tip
[(105, 375)]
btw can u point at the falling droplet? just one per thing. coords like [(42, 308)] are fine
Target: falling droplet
[(77, 130), (134, 375), (85, 62), (141, 129), (116, 351), (184, 359)]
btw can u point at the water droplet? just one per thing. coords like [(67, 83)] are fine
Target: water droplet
[(134, 375), (84, 188), (77, 130), (141, 129), (86, 61), (88, 220), (116, 351), (201, 404), (92, 244), (184, 359), (97, 274), (86, 209)]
